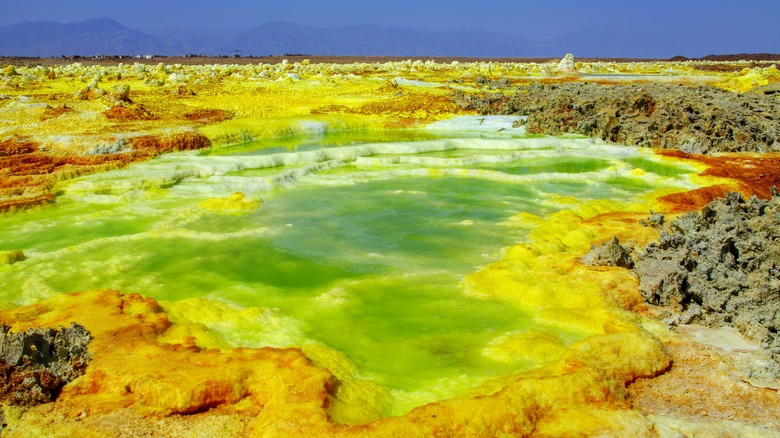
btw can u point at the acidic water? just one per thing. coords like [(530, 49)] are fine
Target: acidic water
[(360, 247)]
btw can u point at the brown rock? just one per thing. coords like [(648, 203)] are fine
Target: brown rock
[(720, 267), (697, 120), (612, 253)]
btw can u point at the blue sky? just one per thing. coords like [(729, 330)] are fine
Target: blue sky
[(750, 25)]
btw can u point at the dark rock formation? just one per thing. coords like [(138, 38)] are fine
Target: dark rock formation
[(34, 365), (720, 267), (655, 220), (611, 253), (694, 119)]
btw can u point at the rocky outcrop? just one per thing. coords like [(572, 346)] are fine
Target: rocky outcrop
[(720, 266), (611, 253), (567, 64), (655, 220), (35, 364), (697, 120)]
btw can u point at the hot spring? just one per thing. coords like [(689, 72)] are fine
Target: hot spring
[(349, 246)]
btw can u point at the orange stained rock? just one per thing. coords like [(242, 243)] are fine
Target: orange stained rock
[(126, 113), (206, 115), (695, 199), (54, 112), (132, 372), (28, 176), (16, 146), (754, 174)]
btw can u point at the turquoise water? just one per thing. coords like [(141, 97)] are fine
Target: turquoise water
[(360, 247)]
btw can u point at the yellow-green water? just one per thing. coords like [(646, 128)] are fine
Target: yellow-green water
[(359, 247)]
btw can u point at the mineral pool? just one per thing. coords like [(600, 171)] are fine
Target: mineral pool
[(334, 244)]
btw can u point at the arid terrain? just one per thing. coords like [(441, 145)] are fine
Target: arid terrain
[(669, 297)]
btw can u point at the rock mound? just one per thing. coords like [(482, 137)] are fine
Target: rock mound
[(34, 365), (11, 257), (720, 267), (567, 64), (611, 253)]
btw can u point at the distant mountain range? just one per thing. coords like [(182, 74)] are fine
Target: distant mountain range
[(104, 36), (93, 37)]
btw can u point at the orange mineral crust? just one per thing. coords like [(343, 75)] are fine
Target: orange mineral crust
[(753, 174), (29, 173), (694, 199), (136, 384)]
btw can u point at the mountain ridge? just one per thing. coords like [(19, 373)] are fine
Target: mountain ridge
[(91, 37), (106, 36)]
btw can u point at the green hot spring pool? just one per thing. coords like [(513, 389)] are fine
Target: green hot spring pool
[(359, 248)]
